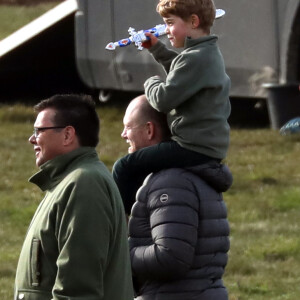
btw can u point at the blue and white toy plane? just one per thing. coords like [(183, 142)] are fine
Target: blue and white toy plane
[(139, 37)]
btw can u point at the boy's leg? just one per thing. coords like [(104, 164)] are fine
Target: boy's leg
[(130, 171)]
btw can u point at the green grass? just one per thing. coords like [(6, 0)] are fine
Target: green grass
[(263, 207), (263, 203), (14, 17)]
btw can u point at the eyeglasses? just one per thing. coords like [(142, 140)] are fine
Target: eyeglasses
[(36, 130)]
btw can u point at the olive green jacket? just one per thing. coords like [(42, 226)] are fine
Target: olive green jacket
[(76, 245)]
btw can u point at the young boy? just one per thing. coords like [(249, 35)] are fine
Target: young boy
[(195, 95)]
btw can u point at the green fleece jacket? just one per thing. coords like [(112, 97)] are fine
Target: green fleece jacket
[(195, 95), (76, 246)]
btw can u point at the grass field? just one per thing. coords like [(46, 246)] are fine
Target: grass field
[(14, 17), (263, 204)]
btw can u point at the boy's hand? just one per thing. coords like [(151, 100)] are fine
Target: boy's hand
[(151, 42)]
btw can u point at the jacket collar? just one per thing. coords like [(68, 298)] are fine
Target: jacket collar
[(54, 170), (217, 175), (189, 42)]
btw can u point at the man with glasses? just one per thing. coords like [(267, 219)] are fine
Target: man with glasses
[(76, 246)]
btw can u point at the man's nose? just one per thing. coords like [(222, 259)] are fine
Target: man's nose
[(32, 139), (123, 134)]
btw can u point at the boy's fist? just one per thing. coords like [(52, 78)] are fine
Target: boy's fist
[(150, 42)]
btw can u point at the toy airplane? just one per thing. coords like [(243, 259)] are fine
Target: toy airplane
[(139, 37)]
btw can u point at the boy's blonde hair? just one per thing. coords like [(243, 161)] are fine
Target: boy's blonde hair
[(204, 9)]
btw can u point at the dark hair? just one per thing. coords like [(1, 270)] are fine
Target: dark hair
[(78, 111)]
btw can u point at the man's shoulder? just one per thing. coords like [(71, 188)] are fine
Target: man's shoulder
[(212, 174), (173, 184), (171, 171), (93, 181), (172, 177), (90, 171)]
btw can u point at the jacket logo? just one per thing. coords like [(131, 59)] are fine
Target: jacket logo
[(164, 197)]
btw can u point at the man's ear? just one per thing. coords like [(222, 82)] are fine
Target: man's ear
[(69, 135), (150, 130), (195, 21)]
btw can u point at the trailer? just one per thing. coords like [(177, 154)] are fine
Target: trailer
[(66, 48), (260, 42)]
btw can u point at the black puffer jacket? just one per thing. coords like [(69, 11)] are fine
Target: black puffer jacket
[(179, 234)]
